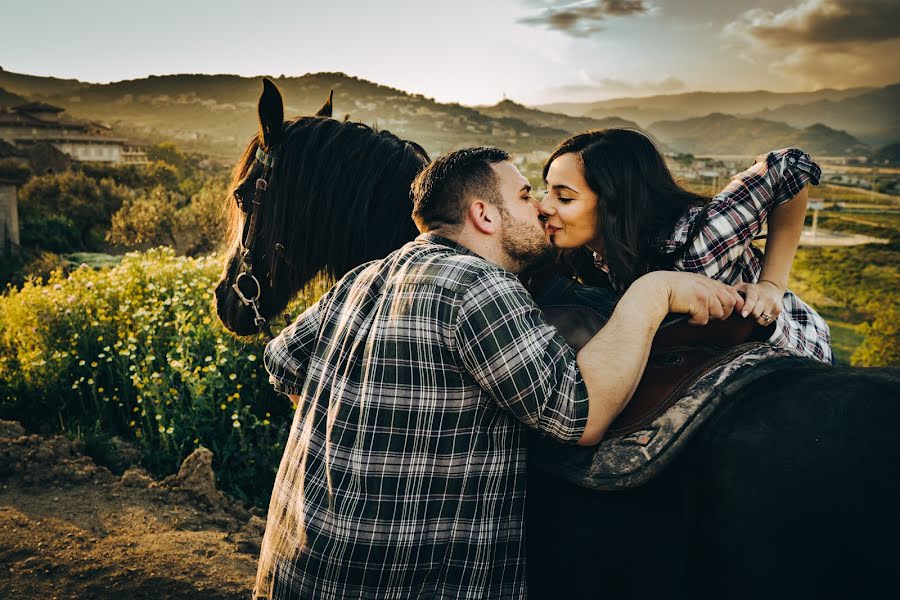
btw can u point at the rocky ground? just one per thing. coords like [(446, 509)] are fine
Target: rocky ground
[(72, 529)]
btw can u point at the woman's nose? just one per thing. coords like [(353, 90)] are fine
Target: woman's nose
[(546, 208)]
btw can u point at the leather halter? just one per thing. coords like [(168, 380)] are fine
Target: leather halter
[(267, 159)]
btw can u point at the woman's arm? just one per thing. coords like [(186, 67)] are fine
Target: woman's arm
[(764, 298), (736, 215), (785, 227)]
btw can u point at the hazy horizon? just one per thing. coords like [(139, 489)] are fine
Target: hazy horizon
[(530, 51)]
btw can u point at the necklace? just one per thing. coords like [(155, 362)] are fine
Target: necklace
[(600, 263)]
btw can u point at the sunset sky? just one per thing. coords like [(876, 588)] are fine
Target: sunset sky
[(470, 51)]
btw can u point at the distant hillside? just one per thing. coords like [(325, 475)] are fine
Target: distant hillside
[(535, 117), (10, 99), (718, 133), (672, 107), (873, 116), (216, 114), (888, 155)]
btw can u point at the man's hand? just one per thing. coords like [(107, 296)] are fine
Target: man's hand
[(696, 295), (612, 362)]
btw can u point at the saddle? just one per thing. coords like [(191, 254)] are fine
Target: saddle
[(690, 373), (680, 354)]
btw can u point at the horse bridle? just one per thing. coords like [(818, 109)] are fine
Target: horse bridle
[(267, 159)]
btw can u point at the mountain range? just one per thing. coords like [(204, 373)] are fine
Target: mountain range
[(216, 114)]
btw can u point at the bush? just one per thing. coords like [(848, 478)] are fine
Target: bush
[(136, 351), (72, 201)]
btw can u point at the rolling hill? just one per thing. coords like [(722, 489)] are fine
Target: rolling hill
[(874, 116), (216, 114), (719, 133), (672, 107)]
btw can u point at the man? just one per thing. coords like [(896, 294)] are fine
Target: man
[(415, 377)]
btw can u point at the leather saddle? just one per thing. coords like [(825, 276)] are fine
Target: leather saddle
[(681, 353)]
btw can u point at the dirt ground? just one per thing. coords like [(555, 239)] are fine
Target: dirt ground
[(72, 529)]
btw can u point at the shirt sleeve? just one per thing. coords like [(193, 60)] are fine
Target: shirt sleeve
[(286, 357), (737, 213), (519, 359)]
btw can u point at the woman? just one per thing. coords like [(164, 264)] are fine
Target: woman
[(610, 191)]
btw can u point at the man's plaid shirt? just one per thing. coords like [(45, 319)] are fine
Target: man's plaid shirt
[(435, 361), (721, 250)]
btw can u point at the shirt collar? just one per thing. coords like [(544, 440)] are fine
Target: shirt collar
[(433, 238)]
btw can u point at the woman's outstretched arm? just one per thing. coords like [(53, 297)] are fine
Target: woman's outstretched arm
[(764, 298)]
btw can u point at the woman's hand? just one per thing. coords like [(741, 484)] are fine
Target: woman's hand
[(763, 300)]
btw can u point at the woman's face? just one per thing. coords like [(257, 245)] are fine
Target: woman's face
[(570, 206)]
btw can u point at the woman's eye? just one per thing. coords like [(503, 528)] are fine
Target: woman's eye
[(565, 200)]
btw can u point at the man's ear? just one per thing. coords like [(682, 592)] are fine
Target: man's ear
[(484, 216)]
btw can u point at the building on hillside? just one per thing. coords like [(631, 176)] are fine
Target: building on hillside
[(36, 123), (9, 217)]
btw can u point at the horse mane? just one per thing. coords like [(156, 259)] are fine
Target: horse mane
[(338, 196)]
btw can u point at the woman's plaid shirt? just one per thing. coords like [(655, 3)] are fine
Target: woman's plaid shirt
[(435, 361), (722, 250)]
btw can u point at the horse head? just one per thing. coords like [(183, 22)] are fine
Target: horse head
[(308, 195)]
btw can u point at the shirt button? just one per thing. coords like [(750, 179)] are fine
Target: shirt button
[(792, 160)]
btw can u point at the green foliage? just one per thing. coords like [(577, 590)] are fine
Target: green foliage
[(168, 153), (881, 347), (71, 202), (855, 285), (136, 351), (163, 175), (191, 225), (148, 218)]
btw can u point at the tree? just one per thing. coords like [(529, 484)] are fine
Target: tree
[(72, 198), (203, 220), (149, 218), (881, 348), (163, 174), (167, 152)]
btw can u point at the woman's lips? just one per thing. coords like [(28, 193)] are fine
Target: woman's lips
[(551, 229)]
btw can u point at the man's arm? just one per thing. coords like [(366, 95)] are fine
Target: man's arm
[(612, 363), (287, 356)]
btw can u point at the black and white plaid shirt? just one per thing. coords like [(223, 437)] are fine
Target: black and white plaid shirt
[(435, 361), (721, 250)]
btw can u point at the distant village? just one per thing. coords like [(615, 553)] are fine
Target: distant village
[(28, 129), (44, 137)]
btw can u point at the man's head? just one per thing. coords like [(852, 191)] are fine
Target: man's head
[(478, 197)]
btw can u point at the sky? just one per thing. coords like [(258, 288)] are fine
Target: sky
[(470, 51)]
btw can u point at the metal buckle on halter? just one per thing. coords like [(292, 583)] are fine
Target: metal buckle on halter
[(237, 288)]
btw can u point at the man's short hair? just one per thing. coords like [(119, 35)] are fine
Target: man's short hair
[(442, 192)]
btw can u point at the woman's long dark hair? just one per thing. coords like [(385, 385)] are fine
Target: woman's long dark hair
[(638, 199)]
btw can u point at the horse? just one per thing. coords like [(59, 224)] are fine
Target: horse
[(785, 489)]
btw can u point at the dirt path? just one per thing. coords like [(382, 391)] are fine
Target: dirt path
[(71, 529)]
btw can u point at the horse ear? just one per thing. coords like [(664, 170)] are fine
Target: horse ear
[(271, 115), (325, 111)]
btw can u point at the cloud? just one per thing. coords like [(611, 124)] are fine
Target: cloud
[(824, 42), (824, 22), (581, 19)]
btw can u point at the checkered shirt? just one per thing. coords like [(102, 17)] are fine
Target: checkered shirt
[(722, 250), (435, 361)]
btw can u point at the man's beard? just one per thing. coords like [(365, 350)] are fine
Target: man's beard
[(526, 246)]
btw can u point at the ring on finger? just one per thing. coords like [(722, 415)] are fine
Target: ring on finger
[(766, 316)]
